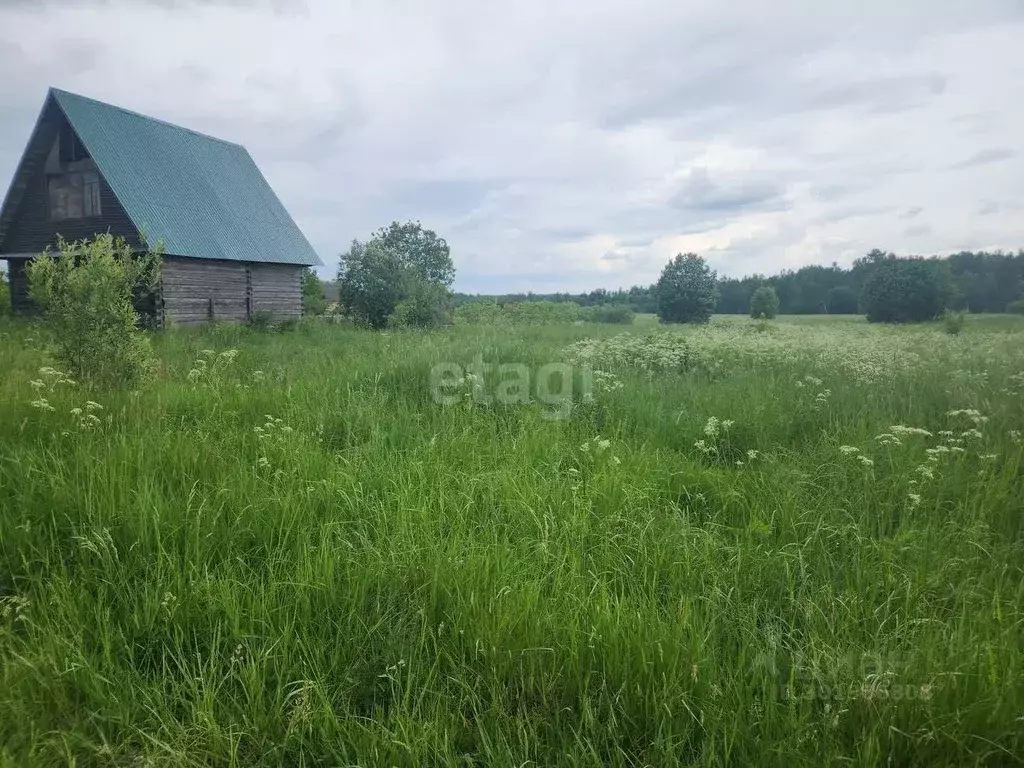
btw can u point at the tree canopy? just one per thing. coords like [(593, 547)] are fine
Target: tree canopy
[(403, 266), (686, 291)]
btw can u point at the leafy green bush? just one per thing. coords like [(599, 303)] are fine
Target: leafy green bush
[(425, 306), (376, 276), (477, 313), (904, 290), (687, 291), (953, 322), (518, 313), (261, 321), (86, 295), (614, 314), (764, 304), (5, 296), (1016, 307), (313, 300)]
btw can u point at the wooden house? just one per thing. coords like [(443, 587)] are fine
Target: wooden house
[(230, 248)]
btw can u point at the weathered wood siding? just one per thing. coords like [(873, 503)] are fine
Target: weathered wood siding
[(32, 230), (20, 301), (276, 289), (198, 290)]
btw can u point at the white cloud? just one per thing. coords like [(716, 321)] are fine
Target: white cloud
[(574, 145)]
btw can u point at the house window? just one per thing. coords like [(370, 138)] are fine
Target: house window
[(74, 195), (91, 194)]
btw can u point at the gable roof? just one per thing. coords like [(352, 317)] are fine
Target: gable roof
[(200, 196)]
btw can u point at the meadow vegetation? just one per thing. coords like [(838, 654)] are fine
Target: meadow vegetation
[(789, 542)]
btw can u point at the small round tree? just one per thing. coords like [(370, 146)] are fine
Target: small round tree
[(687, 290), (375, 277), (764, 303)]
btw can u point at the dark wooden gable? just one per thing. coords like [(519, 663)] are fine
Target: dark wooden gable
[(37, 208)]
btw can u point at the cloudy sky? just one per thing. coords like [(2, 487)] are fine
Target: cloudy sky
[(574, 145)]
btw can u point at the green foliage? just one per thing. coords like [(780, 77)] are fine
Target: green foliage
[(261, 321), (86, 293), (1016, 307), (519, 313), (686, 290), (392, 267), (421, 250), (841, 300), (525, 313), (5, 295), (424, 305), (904, 290), (613, 314), (953, 322), (764, 304), (313, 300)]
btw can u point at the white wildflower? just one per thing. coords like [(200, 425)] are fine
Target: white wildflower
[(902, 431)]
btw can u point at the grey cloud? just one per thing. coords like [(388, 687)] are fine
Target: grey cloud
[(986, 156), (882, 95), (699, 192), (912, 213), (854, 211), (438, 196), (918, 230), (635, 242), (834, 192), (987, 209)]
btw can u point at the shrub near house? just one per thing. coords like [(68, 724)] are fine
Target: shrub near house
[(87, 298)]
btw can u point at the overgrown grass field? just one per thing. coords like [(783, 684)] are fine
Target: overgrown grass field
[(795, 543)]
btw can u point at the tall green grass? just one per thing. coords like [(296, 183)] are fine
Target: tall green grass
[(290, 555)]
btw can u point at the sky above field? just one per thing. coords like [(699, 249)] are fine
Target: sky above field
[(570, 146)]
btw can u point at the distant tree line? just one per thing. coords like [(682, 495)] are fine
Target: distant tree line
[(969, 281)]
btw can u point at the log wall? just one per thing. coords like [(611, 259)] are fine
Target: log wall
[(199, 290), (277, 290)]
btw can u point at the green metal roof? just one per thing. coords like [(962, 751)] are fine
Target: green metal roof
[(201, 196)]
